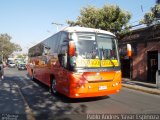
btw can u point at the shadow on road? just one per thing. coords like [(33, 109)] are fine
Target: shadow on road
[(42, 103), (11, 103), (79, 100)]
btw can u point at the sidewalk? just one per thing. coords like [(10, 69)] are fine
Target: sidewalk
[(141, 86)]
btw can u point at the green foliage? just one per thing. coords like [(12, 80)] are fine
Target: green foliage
[(20, 56), (23, 56), (157, 1), (153, 16), (6, 46), (109, 17)]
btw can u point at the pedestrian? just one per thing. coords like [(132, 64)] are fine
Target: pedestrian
[(1, 70)]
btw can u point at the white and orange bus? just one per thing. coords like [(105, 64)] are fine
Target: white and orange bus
[(77, 62)]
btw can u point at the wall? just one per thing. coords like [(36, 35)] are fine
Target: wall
[(140, 59), (142, 40)]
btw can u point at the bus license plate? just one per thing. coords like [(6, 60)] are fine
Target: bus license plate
[(102, 87)]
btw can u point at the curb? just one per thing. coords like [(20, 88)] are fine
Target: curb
[(143, 89)]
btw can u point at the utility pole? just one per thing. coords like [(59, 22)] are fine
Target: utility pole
[(57, 25)]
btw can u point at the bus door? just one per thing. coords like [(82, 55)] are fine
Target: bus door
[(62, 75), (37, 70)]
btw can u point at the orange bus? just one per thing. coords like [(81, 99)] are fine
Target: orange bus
[(77, 62)]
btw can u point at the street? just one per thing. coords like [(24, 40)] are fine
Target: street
[(28, 99)]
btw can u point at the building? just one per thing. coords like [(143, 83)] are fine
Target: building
[(146, 46)]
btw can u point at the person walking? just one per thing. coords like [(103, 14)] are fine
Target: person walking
[(1, 70)]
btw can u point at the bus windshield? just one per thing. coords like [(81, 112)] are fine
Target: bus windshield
[(96, 50)]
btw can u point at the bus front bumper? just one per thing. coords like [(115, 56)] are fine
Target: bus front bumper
[(97, 90)]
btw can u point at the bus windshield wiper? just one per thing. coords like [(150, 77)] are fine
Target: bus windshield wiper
[(107, 58), (111, 62)]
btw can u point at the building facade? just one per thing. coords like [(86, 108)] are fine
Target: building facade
[(142, 66)]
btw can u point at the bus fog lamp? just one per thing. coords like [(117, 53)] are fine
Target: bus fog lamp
[(82, 86), (89, 87), (76, 94), (116, 84)]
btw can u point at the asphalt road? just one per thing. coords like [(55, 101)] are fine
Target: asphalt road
[(22, 98)]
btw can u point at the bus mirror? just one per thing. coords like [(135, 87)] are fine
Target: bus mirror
[(71, 48), (129, 50)]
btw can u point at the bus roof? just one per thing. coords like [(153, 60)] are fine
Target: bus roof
[(84, 29), (81, 29)]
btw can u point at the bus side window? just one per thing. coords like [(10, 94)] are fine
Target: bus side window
[(63, 49), (63, 55)]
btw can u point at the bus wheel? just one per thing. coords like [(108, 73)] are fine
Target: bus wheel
[(53, 86)]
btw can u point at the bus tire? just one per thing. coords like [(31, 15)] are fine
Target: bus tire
[(53, 86)]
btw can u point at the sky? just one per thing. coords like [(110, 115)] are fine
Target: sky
[(29, 22)]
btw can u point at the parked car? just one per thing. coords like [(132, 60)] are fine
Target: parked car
[(22, 66), (11, 64)]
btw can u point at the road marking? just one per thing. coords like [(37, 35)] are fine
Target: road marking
[(28, 110)]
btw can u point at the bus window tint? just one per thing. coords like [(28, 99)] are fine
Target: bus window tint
[(107, 47), (92, 46), (86, 46)]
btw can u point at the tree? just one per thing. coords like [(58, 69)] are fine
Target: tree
[(157, 1), (6, 46), (23, 56), (153, 16), (109, 17)]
